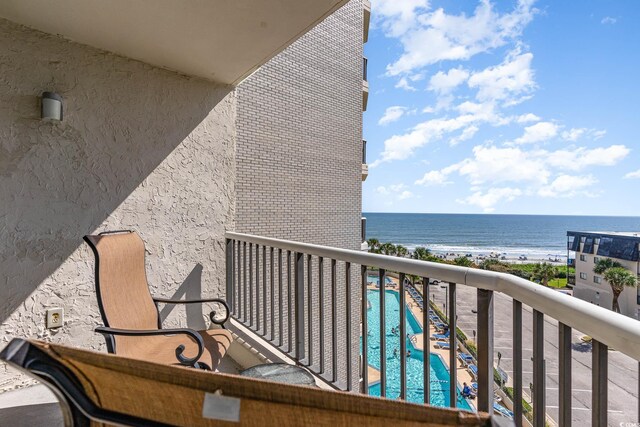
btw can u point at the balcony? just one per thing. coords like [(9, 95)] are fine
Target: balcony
[(276, 287), (365, 166), (366, 5), (365, 85)]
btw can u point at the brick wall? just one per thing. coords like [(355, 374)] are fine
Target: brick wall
[(299, 149)]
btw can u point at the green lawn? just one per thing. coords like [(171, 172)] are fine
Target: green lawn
[(558, 283)]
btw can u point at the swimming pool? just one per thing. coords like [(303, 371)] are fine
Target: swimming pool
[(439, 374)]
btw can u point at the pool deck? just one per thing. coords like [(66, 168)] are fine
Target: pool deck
[(463, 376)]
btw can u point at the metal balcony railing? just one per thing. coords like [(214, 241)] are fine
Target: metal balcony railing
[(364, 152), (364, 68), (281, 290)]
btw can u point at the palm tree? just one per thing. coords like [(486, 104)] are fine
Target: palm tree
[(544, 272), (604, 264), (619, 278), (388, 249), (463, 261), (374, 246), (401, 251), (421, 253)]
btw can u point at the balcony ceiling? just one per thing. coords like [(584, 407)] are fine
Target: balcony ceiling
[(219, 40)]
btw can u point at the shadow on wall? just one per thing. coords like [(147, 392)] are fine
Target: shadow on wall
[(61, 180)]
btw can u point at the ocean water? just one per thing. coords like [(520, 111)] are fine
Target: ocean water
[(531, 235)]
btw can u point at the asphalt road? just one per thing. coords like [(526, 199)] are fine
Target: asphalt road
[(623, 370)]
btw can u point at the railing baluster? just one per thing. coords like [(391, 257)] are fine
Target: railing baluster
[(564, 375), (273, 298), (229, 272), (599, 380), (426, 345), (264, 291), (310, 310), (453, 375), (485, 350), (334, 323), (403, 339), (383, 332), (299, 325), (245, 318), (290, 305), (348, 324), (517, 362), (539, 388), (280, 300), (257, 288), (364, 332), (251, 288), (321, 311)]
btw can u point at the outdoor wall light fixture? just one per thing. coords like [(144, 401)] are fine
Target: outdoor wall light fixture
[(51, 106)]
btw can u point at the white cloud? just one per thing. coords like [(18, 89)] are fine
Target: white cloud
[(541, 131), (466, 134), (506, 81), (498, 165), (405, 195), (434, 178), (392, 114), (487, 200), (581, 158), (399, 191), (397, 17), (403, 83), (599, 134), (573, 134), (635, 174), (446, 82), (527, 118), (436, 36), (568, 186), (608, 20)]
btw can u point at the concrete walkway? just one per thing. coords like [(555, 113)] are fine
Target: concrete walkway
[(30, 407)]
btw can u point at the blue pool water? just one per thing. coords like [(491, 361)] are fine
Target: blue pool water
[(439, 374)]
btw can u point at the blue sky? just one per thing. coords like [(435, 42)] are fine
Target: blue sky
[(512, 107)]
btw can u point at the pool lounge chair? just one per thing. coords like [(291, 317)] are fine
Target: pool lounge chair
[(465, 358), (132, 323), (501, 410), (443, 345), (473, 370), (105, 389), (441, 337)]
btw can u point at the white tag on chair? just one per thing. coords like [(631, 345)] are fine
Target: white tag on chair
[(219, 407)]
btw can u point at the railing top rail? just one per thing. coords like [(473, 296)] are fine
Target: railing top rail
[(613, 329)]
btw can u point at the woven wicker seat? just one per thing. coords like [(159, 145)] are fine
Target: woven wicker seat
[(110, 389), (132, 325)]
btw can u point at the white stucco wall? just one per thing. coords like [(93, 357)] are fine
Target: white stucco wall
[(139, 147)]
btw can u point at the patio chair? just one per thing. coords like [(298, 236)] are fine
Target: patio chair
[(132, 324), (98, 388), (443, 345), (440, 337), (473, 370), (465, 358)]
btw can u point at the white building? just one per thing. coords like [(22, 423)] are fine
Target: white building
[(589, 248)]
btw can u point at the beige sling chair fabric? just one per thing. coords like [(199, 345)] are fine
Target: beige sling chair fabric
[(176, 395), (126, 303)]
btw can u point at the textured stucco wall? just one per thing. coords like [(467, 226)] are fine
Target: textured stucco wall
[(139, 148), (299, 155)]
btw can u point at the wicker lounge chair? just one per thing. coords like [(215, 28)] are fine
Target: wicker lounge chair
[(132, 324), (98, 388)]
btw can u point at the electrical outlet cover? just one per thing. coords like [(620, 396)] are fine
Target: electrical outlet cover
[(55, 318)]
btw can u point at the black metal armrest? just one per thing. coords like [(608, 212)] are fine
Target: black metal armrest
[(212, 315), (187, 361)]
